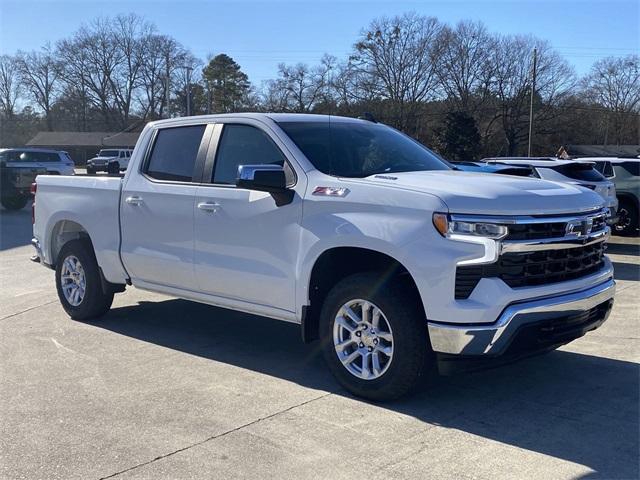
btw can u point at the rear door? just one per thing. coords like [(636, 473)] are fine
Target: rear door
[(246, 242), (157, 208)]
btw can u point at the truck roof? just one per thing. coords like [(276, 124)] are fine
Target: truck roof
[(276, 117)]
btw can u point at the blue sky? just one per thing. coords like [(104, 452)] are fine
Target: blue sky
[(259, 35)]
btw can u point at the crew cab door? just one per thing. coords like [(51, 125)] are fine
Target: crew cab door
[(157, 208), (246, 242)]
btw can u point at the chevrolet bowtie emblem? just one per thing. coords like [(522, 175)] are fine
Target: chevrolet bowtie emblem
[(579, 228)]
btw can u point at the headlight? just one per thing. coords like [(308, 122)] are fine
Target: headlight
[(447, 227)]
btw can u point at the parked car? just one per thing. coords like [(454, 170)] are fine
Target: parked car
[(15, 185), (347, 227), (575, 172), (55, 162), (100, 162), (625, 174)]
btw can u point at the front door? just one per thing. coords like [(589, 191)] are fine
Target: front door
[(246, 242)]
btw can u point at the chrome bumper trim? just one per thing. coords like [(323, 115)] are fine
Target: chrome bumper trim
[(492, 339), (555, 243)]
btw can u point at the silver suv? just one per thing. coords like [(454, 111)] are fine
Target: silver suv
[(55, 162), (576, 172)]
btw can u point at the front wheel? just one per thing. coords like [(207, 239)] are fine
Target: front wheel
[(374, 337), (79, 283)]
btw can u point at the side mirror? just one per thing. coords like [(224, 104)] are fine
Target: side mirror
[(264, 178)]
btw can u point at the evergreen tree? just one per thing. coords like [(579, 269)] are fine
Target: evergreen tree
[(227, 85), (458, 138)]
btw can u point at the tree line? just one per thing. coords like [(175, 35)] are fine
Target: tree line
[(459, 88)]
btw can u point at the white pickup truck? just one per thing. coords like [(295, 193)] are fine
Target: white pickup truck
[(396, 262)]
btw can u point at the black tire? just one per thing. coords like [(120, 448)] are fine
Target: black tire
[(628, 218), (15, 203), (412, 356), (91, 171), (95, 301)]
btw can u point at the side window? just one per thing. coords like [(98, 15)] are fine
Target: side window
[(243, 145), (25, 157), (45, 157), (121, 154), (174, 153), (632, 167)]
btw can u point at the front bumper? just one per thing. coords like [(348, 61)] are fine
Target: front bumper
[(556, 320)]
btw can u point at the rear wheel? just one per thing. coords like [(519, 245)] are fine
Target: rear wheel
[(79, 283), (91, 170), (15, 203), (374, 337), (627, 218)]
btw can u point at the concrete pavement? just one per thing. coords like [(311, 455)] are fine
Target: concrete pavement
[(164, 388)]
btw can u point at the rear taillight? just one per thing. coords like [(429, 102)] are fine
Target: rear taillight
[(34, 189)]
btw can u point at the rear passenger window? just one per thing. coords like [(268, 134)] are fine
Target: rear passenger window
[(174, 153), (243, 145)]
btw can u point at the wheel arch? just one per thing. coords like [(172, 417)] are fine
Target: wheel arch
[(336, 263), (64, 231)]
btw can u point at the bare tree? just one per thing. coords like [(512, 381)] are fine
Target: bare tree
[(399, 56), (465, 65), (512, 83), (129, 33), (614, 84), (299, 88), (9, 85), (40, 72)]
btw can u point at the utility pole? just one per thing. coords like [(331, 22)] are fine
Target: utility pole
[(533, 90), (166, 86), (189, 91)]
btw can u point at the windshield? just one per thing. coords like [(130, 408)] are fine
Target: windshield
[(108, 153), (350, 149)]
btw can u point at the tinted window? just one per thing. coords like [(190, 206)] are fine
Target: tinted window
[(18, 156), (108, 153), (45, 157), (632, 167), (350, 149), (243, 145), (579, 171), (174, 153)]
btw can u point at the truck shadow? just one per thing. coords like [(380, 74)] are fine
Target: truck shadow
[(623, 248), (575, 407), (626, 271)]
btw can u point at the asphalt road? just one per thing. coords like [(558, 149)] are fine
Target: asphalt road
[(164, 388)]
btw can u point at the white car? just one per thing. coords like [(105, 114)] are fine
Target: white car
[(54, 161), (575, 172), (349, 228), (100, 163)]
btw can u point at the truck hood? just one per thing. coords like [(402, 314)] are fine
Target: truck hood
[(491, 194)]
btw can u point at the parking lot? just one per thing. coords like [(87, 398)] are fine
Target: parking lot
[(164, 388)]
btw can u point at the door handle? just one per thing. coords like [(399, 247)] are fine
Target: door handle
[(134, 200), (212, 207)]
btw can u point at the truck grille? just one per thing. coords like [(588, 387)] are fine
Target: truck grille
[(526, 269), (535, 231)]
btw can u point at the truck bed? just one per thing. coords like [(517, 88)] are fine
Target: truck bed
[(67, 205)]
